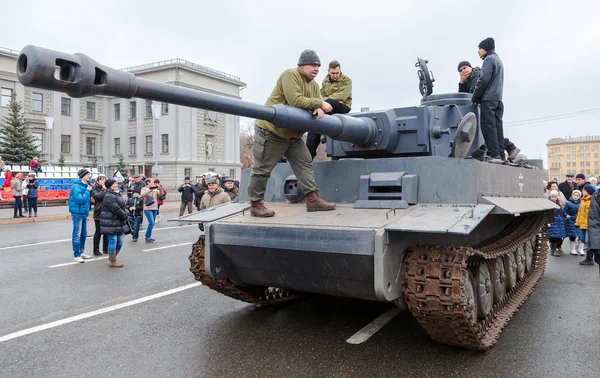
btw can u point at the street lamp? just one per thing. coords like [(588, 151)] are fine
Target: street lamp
[(49, 125), (156, 110)]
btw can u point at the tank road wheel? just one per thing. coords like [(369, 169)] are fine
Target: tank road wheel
[(499, 280), (528, 256), (510, 267), (520, 258), (471, 302), (483, 285)]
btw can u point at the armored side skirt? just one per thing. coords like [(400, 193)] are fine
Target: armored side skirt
[(335, 262)]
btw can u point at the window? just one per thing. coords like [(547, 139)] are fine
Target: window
[(39, 140), (148, 144), (90, 110), (587, 156), (595, 147), (581, 156), (588, 171), (568, 164), (117, 146), (65, 106), (587, 163), (232, 174), (90, 146), (587, 147), (132, 110), (165, 108), (149, 108), (164, 142), (117, 112), (37, 101), (5, 97), (132, 146), (597, 162), (65, 144), (581, 148), (187, 172)]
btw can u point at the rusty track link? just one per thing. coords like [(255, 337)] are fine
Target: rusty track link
[(437, 277), (251, 294)]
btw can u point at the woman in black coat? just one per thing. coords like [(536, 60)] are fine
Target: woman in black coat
[(112, 221)]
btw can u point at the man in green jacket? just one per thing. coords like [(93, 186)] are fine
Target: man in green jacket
[(294, 87), (336, 89)]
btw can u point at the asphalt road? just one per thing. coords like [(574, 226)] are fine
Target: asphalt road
[(103, 331)]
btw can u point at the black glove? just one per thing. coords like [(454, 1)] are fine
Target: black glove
[(323, 139)]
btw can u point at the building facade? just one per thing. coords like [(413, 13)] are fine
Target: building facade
[(95, 131), (573, 155)]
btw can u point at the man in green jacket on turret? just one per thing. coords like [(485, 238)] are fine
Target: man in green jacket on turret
[(294, 87), (336, 89)]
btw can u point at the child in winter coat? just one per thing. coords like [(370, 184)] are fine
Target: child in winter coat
[(582, 223), (570, 214), (557, 228), (135, 205)]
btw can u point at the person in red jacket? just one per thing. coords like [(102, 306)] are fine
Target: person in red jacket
[(35, 165), (7, 180)]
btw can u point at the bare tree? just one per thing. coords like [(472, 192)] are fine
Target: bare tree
[(246, 140)]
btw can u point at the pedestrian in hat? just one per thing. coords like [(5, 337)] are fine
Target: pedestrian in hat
[(112, 221), (294, 87), (79, 207), (32, 186), (582, 222), (488, 94), (230, 188), (568, 186), (468, 78), (580, 181)]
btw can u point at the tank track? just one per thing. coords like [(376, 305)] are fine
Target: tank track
[(249, 294), (437, 280)]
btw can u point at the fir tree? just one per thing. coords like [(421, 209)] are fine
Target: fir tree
[(61, 160), (121, 163), (17, 145)]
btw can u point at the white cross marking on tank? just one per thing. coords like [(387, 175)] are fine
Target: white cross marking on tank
[(521, 181)]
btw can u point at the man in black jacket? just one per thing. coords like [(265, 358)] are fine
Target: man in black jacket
[(488, 93), (568, 186), (468, 78), (187, 196), (135, 205)]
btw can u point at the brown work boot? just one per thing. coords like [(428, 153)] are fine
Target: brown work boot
[(112, 258), (314, 202), (257, 209)]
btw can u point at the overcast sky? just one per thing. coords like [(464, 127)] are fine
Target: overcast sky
[(549, 48)]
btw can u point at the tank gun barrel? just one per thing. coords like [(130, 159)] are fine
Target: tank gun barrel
[(80, 76)]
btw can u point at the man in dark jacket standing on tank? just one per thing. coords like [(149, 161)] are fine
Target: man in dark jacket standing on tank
[(336, 89), (488, 94), (294, 87), (468, 78)]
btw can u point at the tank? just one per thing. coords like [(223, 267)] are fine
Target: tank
[(421, 221)]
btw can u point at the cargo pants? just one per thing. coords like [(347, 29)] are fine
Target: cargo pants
[(267, 149)]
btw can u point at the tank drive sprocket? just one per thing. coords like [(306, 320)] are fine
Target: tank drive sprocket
[(453, 295), (250, 294)]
